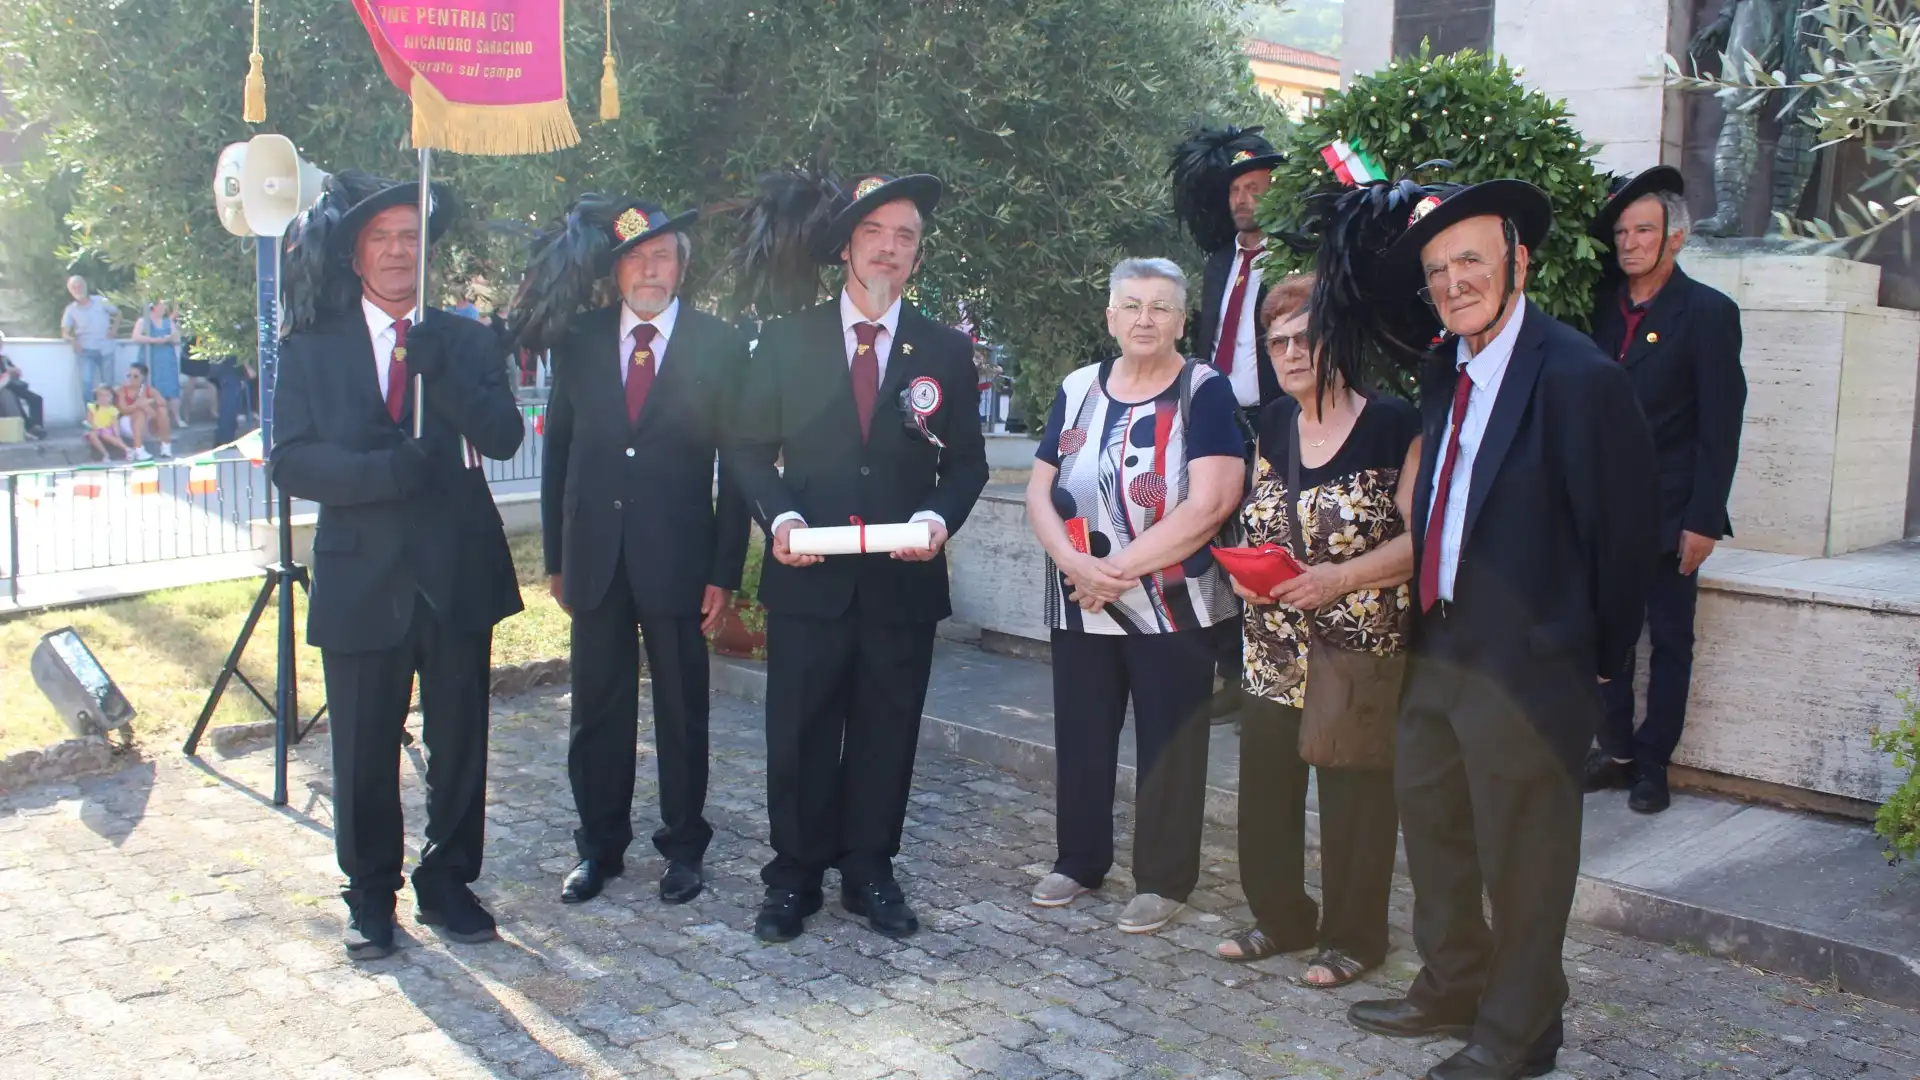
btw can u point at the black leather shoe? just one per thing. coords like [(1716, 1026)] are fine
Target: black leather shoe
[(783, 914), (369, 924), (681, 883), (1650, 791), (1606, 774), (453, 911), (585, 881), (1402, 1018), (884, 906), (1476, 1062)]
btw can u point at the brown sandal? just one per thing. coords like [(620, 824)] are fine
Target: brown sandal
[(1342, 967)]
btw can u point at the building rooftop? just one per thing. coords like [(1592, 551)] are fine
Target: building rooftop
[(1276, 53)]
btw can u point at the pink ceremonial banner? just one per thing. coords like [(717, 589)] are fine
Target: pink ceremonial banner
[(485, 76)]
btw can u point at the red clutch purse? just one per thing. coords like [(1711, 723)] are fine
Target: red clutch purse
[(1259, 569)]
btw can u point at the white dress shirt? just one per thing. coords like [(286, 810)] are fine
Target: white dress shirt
[(883, 351), (380, 329), (1245, 376), (663, 330), (1486, 369)]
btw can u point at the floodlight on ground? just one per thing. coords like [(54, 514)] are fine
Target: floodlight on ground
[(78, 687)]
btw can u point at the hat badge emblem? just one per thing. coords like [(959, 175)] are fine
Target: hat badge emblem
[(1244, 155), (868, 186), (631, 223), (1423, 208)]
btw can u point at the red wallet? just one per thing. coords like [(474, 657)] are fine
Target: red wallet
[(1259, 569)]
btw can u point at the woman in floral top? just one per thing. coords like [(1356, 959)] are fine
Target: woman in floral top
[(1359, 455)]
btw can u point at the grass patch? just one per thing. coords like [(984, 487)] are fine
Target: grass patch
[(165, 648)]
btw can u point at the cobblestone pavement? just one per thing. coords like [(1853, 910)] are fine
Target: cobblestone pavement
[(165, 921)]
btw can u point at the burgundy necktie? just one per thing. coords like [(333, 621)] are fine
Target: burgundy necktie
[(640, 371), (397, 371), (1230, 319), (866, 372), (1442, 488)]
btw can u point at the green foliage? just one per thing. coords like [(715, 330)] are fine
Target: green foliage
[(1304, 24), (40, 247), (1864, 76), (1049, 120), (1473, 111), (1898, 822)]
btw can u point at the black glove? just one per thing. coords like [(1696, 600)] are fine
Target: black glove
[(427, 349), (411, 469)]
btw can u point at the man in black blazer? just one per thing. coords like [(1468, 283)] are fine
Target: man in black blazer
[(1679, 341), (410, 565), (636, 547), (1533, 544), (870, 403)]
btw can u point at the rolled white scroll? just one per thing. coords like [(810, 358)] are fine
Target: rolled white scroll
[(855, 539)]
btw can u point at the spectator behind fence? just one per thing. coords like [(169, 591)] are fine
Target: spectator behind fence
[(143, 415), (158, 336), (195, 373), (1144, 453), (1334, 485), (14, 393), (103, 422), (87, 325)]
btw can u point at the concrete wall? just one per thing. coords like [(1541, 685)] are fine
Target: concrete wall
[(54, 374)]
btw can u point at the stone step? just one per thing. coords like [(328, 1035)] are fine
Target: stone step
[(1789, 892)]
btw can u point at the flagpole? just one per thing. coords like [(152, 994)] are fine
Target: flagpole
[(420, 291)]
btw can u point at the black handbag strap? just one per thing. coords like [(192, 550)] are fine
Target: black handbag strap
[(1298, 538)]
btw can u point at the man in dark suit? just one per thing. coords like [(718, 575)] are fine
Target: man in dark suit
[(1533, 545), (870, 403), (636, 548), (1219, 176), (410, 565), (1679, 341)]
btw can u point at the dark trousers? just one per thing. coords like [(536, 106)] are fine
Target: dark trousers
[(1670, 607), (368, 694), (844, 698), (606, 718), (233, 399), (31, 407), (1227, 655), (1357, 840), (1169, 678), (1485, 806)]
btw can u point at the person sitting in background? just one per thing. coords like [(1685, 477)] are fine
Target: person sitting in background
[(1341, 463), (13, 386), (1144, 454), (103, 419), (143, 414)]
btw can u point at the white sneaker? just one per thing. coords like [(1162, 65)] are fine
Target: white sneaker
[(1147, 913), (1057, 890), (166, 449), (140, 454)]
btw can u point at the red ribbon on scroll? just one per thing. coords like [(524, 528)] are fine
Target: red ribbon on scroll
[(855, 520)]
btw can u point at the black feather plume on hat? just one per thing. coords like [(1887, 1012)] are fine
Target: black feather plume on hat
[(563, 268), (1359, 313), (1201, 174), (776, 270), (316, 272)]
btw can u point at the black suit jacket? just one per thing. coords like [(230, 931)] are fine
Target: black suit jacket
[(611, 491), (1684, 360), (1213, 298), (799, 403), (1560, 534), (375, 549)]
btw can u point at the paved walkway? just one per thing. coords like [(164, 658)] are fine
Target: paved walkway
[(164, 922)]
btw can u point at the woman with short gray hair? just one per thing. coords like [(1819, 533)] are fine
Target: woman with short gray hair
[(1141, 462)]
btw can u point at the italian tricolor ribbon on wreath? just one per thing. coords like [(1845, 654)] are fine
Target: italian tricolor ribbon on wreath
[(1351, 163)]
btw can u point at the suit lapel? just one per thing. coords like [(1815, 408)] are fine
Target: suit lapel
[(1516, 390), (672, 381), (356, 350), (1667, 313), (1435, 399), (904, 362)]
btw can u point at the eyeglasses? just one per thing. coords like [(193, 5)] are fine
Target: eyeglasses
[(1282, 344), (1159, 311), (1466, 273)]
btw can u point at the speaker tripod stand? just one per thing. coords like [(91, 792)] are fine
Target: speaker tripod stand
[(280, 579)]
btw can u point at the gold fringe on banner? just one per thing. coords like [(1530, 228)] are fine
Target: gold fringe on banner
[(535, 128), (253, 94), (609, 82)]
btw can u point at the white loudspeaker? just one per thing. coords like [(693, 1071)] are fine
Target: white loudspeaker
[(276, 183), (226, 189)]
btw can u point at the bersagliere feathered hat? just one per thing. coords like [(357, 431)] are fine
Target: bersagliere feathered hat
[(568, 261), (316, 271), (1202, 170)]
